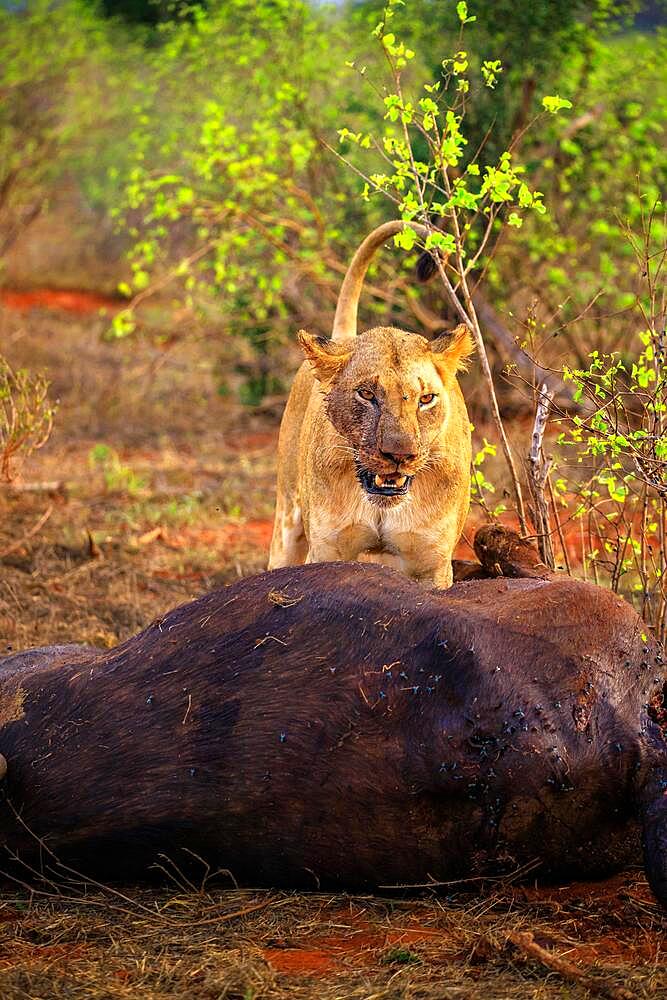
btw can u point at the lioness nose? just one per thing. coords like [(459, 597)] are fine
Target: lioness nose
[(398, 456)]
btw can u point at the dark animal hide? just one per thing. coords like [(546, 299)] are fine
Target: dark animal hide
[(336, 725)]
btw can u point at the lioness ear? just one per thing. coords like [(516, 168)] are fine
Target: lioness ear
[(452, 349), (326, 356)]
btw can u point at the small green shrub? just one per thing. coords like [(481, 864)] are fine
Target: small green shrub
[(118, 478), (401, 956), (26, 416)]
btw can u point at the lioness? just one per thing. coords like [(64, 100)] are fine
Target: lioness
[(374, 448)]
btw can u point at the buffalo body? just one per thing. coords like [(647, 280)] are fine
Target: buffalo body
[(337, 725)]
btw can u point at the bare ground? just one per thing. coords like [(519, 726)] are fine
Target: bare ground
[(153, 489)]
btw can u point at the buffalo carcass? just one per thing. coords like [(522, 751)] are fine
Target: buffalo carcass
[(337, 725)]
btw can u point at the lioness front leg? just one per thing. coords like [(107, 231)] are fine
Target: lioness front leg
[(443, 577), (428, 562), (431, 574), (288, 544), (341, 546)]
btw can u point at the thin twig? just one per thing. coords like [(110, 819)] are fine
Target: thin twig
[(538, 471), (33, 531), (559, 526)]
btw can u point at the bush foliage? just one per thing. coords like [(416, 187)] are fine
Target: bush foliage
[(244, 149)]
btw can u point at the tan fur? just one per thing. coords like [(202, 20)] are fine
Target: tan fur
[(328, 431)]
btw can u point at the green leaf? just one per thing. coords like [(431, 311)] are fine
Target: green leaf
[(462, 11), (406, 239), (460, 62), (428, 105), (555, 104), (491, 68), (440, 241)]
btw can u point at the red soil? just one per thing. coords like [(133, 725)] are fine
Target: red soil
[(252, 441), (81, 303), (610, 949), (591, 916), (366, 945), (301, 961), (248, 534), (24, 953), (605, 892), (256, 533)]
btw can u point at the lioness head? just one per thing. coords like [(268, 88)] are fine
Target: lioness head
[(391, 395)]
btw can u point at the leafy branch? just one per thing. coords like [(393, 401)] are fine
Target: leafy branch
[(461, 203)]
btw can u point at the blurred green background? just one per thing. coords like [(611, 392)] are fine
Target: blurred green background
[(173, 150)]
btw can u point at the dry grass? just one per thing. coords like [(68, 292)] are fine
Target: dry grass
[(157, 488), (128, 943), (179, 502)]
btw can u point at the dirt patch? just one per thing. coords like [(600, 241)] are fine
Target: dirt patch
[(366, 945), (79, 302), (23, 953), (302, 961), (253, 441), (609, 950), (12, 698), (254, 533)]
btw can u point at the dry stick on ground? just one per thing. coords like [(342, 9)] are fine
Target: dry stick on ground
[(47, 486), (538, 472), (525, 943), (33, 531)]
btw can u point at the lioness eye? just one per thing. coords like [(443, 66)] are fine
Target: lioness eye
[(427, 398), (366, 394)]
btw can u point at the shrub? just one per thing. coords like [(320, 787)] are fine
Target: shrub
[(65, 85), (26, 417), (617, 480)]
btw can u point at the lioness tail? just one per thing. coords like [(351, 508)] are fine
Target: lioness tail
[(345, 320)]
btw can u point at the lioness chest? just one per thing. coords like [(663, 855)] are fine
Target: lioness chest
[(415, 535)]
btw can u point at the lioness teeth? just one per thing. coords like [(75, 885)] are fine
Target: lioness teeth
[(396, 481)]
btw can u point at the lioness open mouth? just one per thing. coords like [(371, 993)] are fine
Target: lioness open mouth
[(394, 484)]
